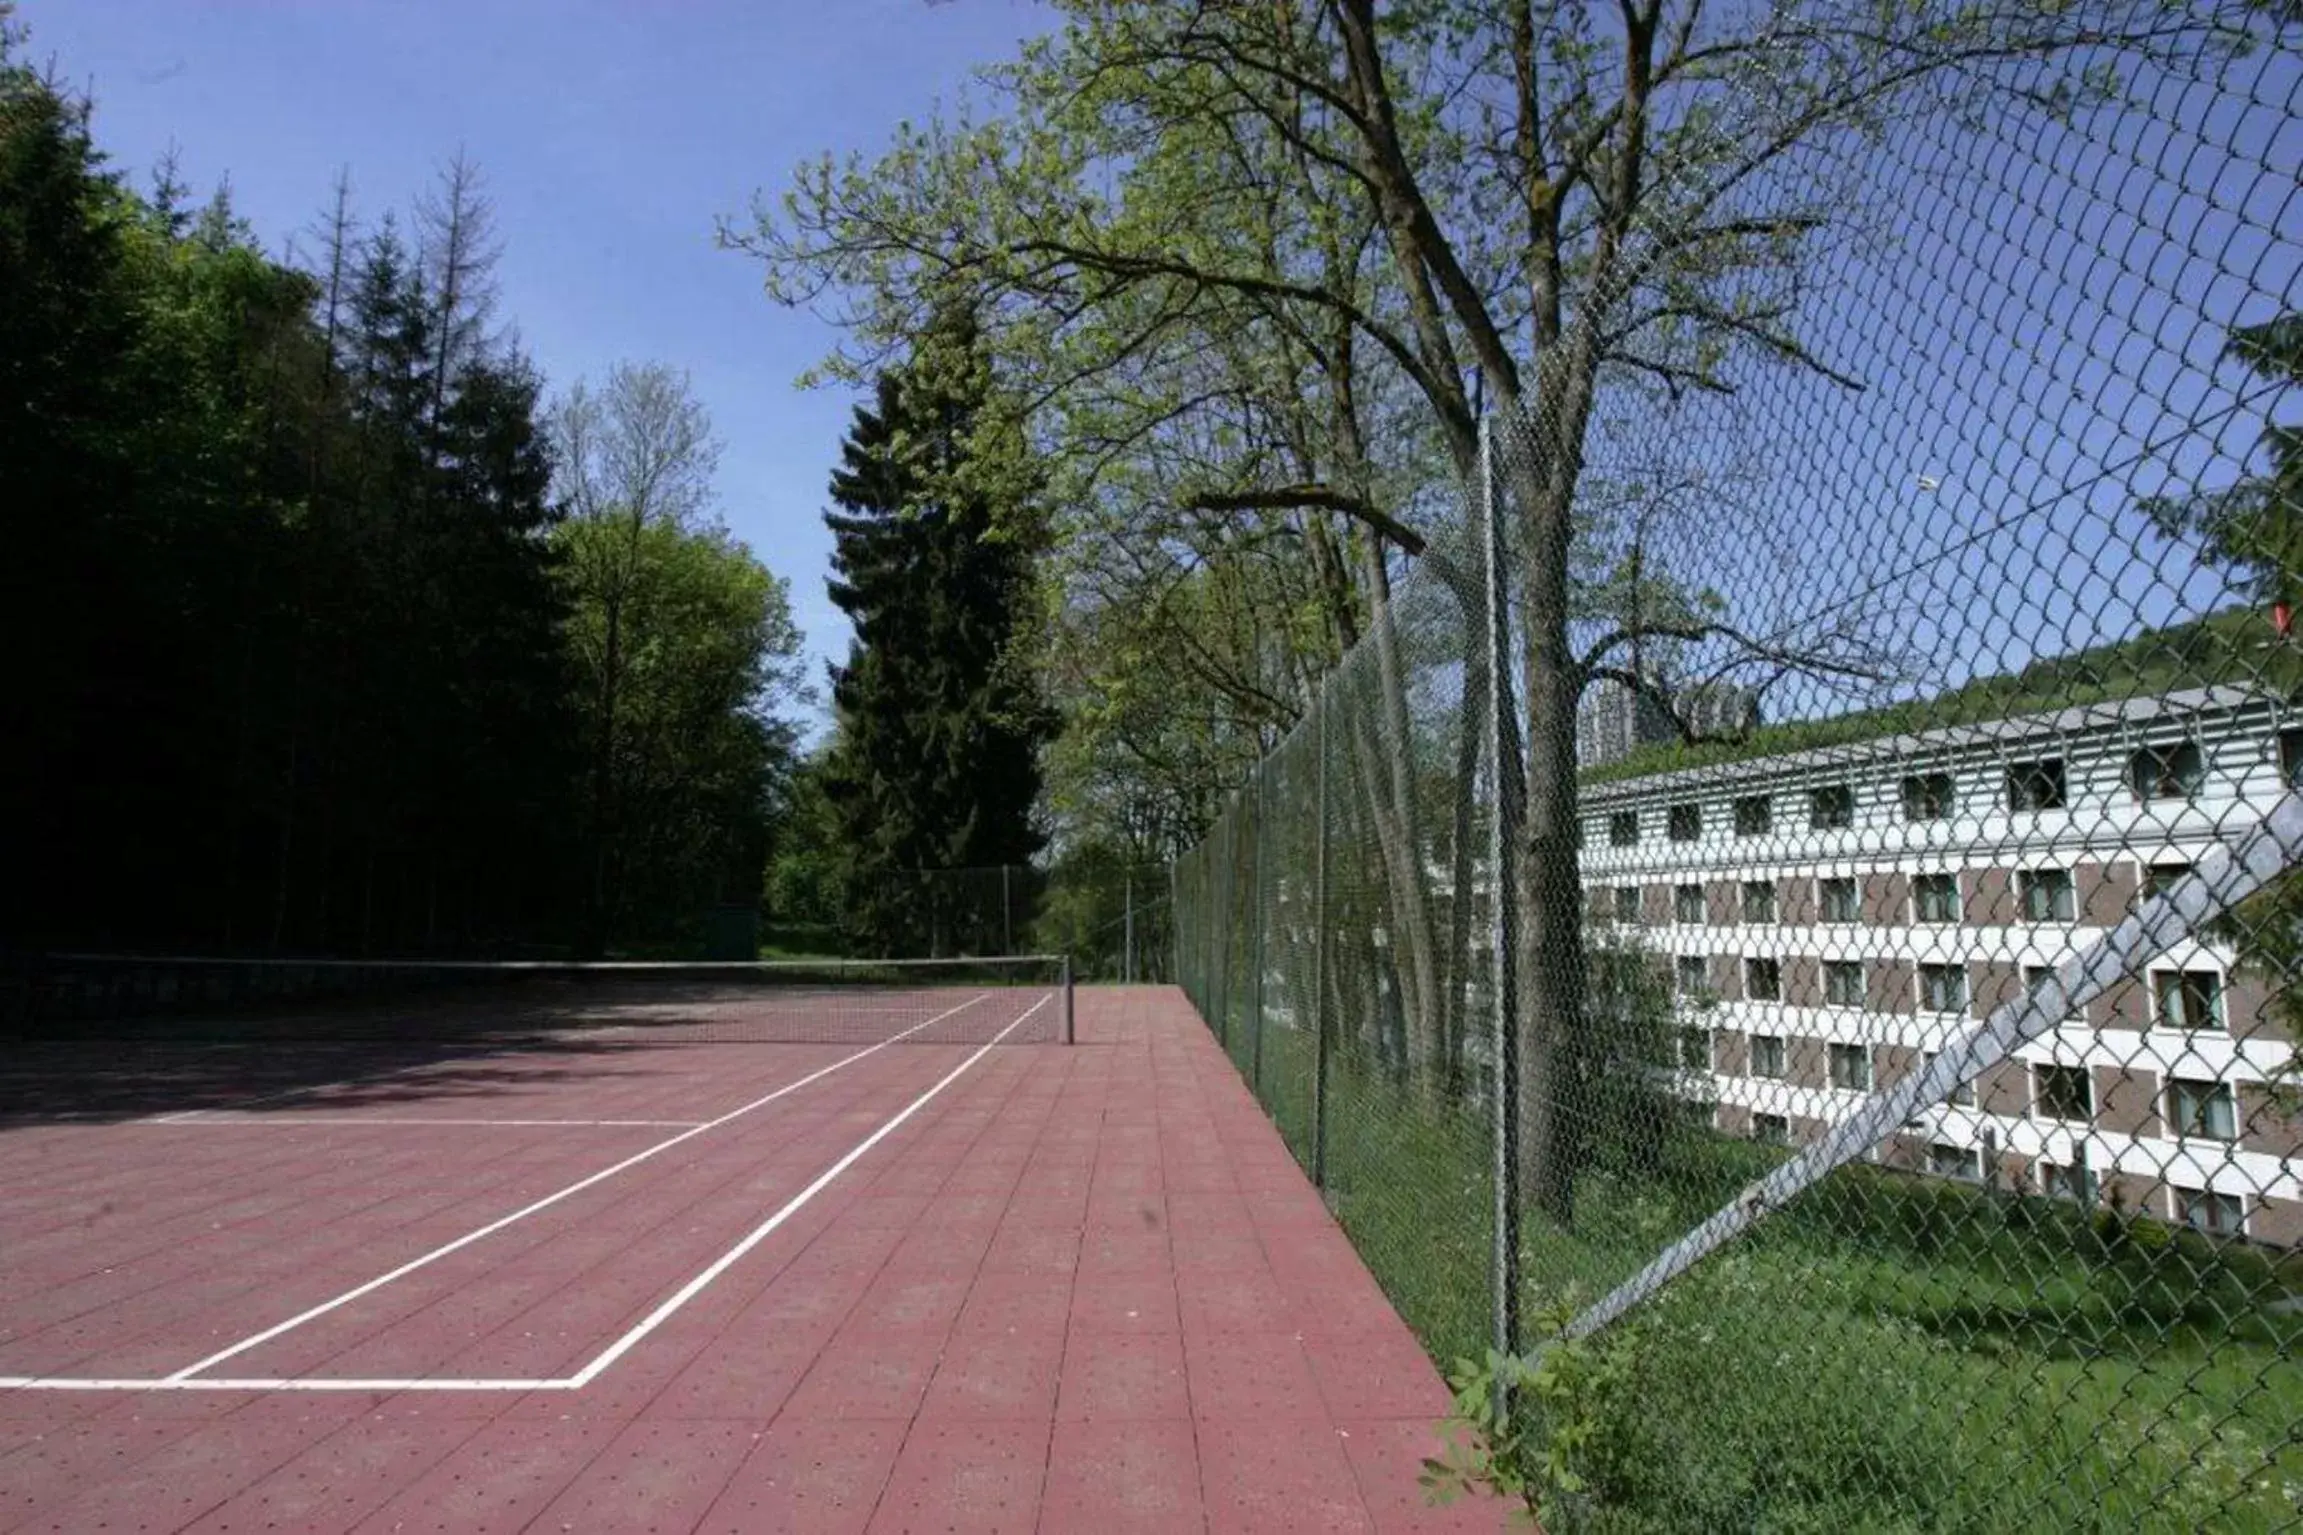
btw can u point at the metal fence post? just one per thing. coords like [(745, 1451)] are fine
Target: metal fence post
[(1255, 945), (1503, 902), (1319, 1019), (1175, 915), (1128, 929), (1220, 939), (1069, 1035)]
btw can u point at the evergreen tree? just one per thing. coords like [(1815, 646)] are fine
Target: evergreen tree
[(936, 762)]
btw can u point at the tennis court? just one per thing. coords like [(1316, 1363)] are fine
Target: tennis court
[(682, 1252)]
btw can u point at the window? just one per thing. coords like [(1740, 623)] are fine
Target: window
[(1935, 897), (1851, 1067), (1831, 808), (1759, 900), (1763, 980), (2188, 999), (1839, 900), (1943, 988), (1964, 1094), (2291, 759), (1949, 1161), (1767, 1056), (2046, 895), (1926, 796), (1627, 903), (1695, 1049), (2036, 785), (1754, 815), (2223, 1215), (1771, 1129), (2063, 1092), (2036, 976), (1843, 983), (2075, 1182), (2202, 1110), (1683, 823), (2166, 772), (1687, 903), (1623, 828), (2159, 878), (1692, 974)]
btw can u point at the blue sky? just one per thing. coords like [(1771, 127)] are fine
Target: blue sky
[(610, 135)]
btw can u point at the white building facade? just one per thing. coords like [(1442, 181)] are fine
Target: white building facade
[(1833, 915)]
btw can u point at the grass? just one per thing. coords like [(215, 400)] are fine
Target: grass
[(1890, 1353)]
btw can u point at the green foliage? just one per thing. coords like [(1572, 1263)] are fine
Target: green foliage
[(1532, 1425), (706, 629), (935, 763), (289, 621), (2254, 527), (1893, 1352), (805, 869), (2223, 647)]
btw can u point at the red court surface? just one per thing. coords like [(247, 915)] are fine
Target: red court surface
[(712, 1286)]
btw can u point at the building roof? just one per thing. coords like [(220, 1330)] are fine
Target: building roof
[(2136, 679), (2106, 714)]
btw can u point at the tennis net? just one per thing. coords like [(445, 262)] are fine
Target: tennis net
[(1016, 999)]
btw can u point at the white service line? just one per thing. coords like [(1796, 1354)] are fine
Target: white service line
[(549, 1200), (183, 1380), (792, 1206), (182, 1115)]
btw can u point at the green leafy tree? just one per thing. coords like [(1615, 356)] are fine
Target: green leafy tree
[(685, 653), (290, 655), (2254, 529), (936, 760), (1446, 205)]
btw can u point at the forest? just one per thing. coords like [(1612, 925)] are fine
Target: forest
[(336, 629)]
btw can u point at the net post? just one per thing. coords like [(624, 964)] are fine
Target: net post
[(1503, 914), (1128, 927), (1069, 1037)]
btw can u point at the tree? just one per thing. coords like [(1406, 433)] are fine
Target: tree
[(2254, 529), (936, 760), (289, 653), (1557, 203), (685, 650)]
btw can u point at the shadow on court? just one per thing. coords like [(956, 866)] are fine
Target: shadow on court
[(346, 1054)]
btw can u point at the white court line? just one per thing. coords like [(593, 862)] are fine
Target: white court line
[(792, 1206), (545, 1203), (183, 1380), (182, 1115), (339, 1121)]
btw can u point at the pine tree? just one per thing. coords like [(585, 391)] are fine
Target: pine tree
[(935, 765)]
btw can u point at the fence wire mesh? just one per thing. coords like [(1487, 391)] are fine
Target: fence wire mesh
[(1899, 718)]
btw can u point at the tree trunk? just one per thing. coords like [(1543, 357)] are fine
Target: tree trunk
[(1387, 772), (1461, 874), (1543, 461)]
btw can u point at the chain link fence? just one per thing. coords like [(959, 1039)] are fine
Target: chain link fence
[(1788, 925)]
